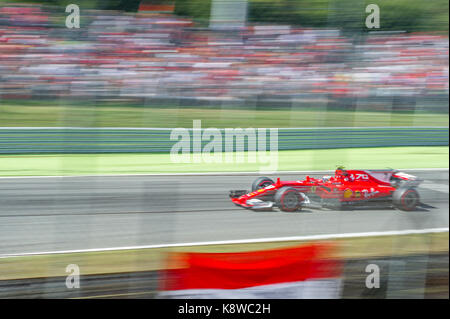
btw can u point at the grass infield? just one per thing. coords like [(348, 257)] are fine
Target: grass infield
[(112, 164), (155, 258), (218, 117)]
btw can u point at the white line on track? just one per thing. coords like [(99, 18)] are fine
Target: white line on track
[(209, 173), (240, 241)]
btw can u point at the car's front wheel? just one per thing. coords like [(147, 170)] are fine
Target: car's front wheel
[(288, 199)]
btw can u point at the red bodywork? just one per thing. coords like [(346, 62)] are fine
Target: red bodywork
[(346, 186)]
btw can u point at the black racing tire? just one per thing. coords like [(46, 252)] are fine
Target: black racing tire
[(288, 199), (261, 182), (406, 199)]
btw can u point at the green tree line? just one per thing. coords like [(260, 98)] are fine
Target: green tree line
[(395, 15)]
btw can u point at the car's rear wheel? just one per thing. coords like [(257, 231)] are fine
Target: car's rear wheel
[(288, 199), (261, 182), (406, 199)]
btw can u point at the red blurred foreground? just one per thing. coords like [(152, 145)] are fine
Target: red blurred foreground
[(307, 271)]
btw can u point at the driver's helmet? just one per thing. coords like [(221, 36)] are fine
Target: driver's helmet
[(326, 178), (340, 171)]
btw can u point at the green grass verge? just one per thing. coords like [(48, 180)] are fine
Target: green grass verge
[(109, 116), (155, 258), (92, 164)]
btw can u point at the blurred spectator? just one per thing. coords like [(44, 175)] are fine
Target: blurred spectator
[(119, 56)]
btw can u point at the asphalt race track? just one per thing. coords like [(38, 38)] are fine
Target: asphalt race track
[(40, 214)]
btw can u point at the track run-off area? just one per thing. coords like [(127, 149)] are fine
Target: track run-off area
[(81, 213)]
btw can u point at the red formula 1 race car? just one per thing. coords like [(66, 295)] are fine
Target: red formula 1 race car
[(346, 188)]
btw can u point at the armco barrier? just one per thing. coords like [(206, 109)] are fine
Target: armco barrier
[(157, 140)]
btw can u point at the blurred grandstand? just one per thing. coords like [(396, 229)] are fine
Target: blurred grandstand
[(167, 55), (162, 58)]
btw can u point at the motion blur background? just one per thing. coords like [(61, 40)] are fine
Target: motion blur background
[(78, 104), (290, 53)]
